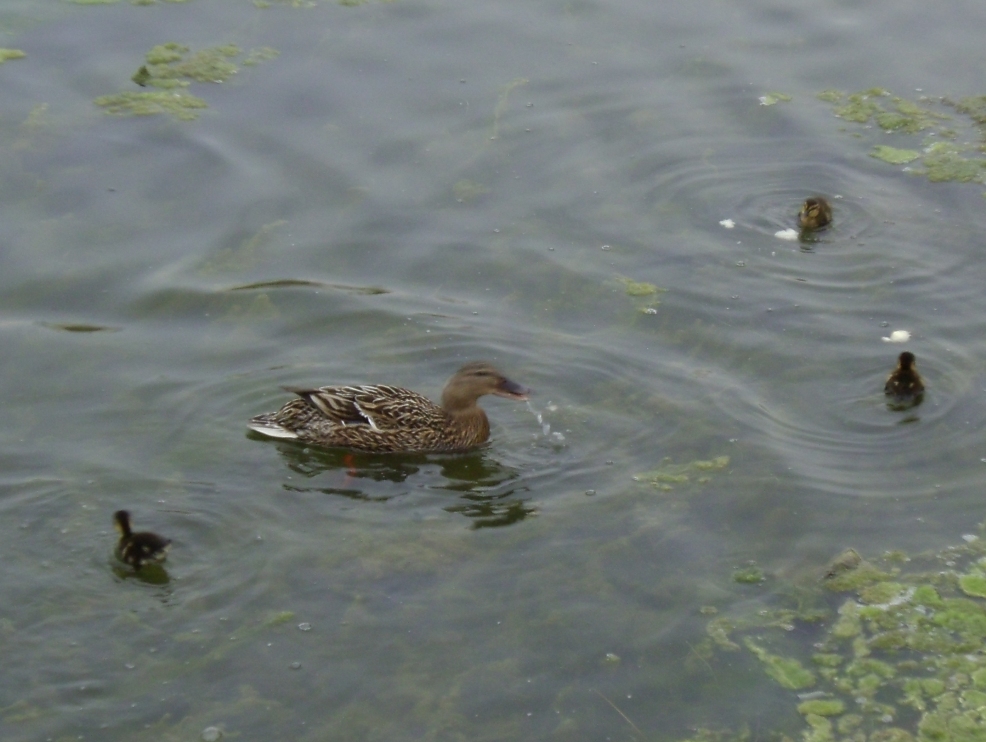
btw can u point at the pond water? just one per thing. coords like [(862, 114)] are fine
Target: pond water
[(409, 186)]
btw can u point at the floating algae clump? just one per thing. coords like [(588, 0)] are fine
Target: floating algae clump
[(893, 155), (889, 112), (940, 160), (749, 575), (788, 672), (638, 288), (946, 161), (772, 99), (7, 54), (974, 585), (974, 107), (172, 67), (179, 104), (668, 474), (906, 652)]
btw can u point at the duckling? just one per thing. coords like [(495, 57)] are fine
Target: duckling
[(904, 384), (815, 213), (137, 548)]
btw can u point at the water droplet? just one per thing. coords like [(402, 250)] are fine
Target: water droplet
[(305, 626), (212, 734), (295, 665), (590, 493), (604, 247)]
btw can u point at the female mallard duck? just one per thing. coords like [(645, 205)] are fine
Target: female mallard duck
[(815, 213), (137, 548), (388, 419), (904, 384)]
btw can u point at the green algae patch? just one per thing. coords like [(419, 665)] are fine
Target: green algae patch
[(928, 596), (749, 575), (974, 585), (789, 673), (822, 707), (945, 161), (893, 155), (855, 579), (7, 54), (831, 96), (172, 67), (719, 630), (905, 651), (668, 474), (179, 104), (645, 296), (881, 593), (772, 99), (848, 624), (944, 155), (819, 729), (891, 113), (973, 106), (823, 659), (637, 288)]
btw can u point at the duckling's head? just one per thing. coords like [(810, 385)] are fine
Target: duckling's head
[(815, 213), (905, 361), (121, 520), (474, 380)]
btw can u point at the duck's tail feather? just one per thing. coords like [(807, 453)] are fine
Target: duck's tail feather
[(268, 427)]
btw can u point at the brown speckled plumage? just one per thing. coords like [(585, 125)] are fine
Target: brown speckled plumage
[(904, 384), (389, 419), (815, 213)]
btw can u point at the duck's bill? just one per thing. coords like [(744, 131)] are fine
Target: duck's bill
[(512, 390)]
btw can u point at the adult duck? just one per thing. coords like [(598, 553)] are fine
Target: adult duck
[(390, 419)]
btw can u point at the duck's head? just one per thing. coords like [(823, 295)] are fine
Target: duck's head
[(474, 380), (905, 361), (121, 521), (815, 213)]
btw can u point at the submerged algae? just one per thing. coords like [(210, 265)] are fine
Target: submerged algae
[(902, 641), (751, 574), (668, 474)]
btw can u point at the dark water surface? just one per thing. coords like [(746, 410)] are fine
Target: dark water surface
[(407, 187)]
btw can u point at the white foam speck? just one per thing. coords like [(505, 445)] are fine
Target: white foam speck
[(898, 336), (787, 234), (728, 223)]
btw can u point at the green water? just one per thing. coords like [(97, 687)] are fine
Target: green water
[(404, 187)]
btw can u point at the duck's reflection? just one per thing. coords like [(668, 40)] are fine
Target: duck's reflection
[(150, 574), (489, 493)]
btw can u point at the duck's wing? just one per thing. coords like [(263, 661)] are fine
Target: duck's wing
[(379, 407)]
